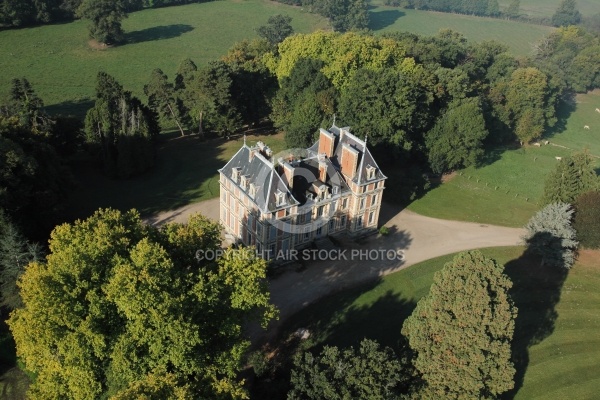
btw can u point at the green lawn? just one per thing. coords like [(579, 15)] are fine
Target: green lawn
[(546, 8), (506, 191), (557, 334), (62, 67), (517, 36), (186, 172)]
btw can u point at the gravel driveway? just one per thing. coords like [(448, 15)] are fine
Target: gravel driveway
[(418, 237)]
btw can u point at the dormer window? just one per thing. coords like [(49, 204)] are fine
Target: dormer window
[(371, 172), (336, 189), (244, 182), (252, 192), (235, 174), (279, 198)]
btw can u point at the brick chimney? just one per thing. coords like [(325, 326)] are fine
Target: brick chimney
[(326, 142), (322, 171), (349, 161)]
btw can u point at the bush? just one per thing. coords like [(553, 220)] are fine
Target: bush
[(587, 219), (384, 230)]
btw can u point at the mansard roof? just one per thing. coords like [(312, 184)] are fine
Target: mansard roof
[(261, 173), (342, 137)]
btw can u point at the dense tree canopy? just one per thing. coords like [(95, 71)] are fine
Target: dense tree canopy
[(456, 140), (119, 308), (462, 331), (366, 373)]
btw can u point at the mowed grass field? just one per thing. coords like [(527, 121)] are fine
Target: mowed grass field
[(185, 173), (507, 190), (557, 332), (518, 36), (61, 65)]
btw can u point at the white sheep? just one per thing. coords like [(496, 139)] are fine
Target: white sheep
[(598, 110), (546, 142), (558, 158), (586, 127), (537, 144)]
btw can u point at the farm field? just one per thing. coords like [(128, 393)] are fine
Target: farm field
[(506, 191), (518, 36), (62, 67), (557, 333)]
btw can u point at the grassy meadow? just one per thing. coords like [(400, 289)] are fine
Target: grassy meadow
[(518, 36), (557, 331), (62, 66), (508, 188)]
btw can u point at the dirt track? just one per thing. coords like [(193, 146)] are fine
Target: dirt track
[(418, 237)]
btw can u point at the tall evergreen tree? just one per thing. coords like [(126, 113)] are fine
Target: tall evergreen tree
[(572, 177), (514, 9), (587, 219), (551, 236), (462, 331), (162, 98)]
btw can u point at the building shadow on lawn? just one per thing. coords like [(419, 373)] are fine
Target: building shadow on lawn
[(536, 292), (382, 19), (157, 33)]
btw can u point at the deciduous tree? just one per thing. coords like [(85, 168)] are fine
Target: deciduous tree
[(105, 17), (120, 308), (278, 27), (366, 373), (566, 14), (462, 330)]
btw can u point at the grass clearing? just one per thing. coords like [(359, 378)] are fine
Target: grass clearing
[(557, 334), (62, 66), (518, 36), (507, 190), (185, 173)]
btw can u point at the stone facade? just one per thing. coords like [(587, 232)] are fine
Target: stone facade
[(283, 202)]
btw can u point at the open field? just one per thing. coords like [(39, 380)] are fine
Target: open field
[(186, 172), (506, 191), (62, 67), (546, 8), (517, 36), (557, 332)]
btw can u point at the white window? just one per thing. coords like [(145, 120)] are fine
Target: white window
[(371, 217), (362, 203), (252, 192), (235, 173), (359, 222), (244, 182), (373, 200), (343, 222), (370, 172), (279, 198), (344, 203), (272, 232), (331, 225)]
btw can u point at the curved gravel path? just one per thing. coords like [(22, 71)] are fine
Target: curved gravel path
[(418, 237)]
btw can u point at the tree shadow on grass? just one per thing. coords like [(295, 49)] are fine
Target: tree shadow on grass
[(335, 321), (536, 292), (157, 33), (563, 112), (77, 108), (382, 19)]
